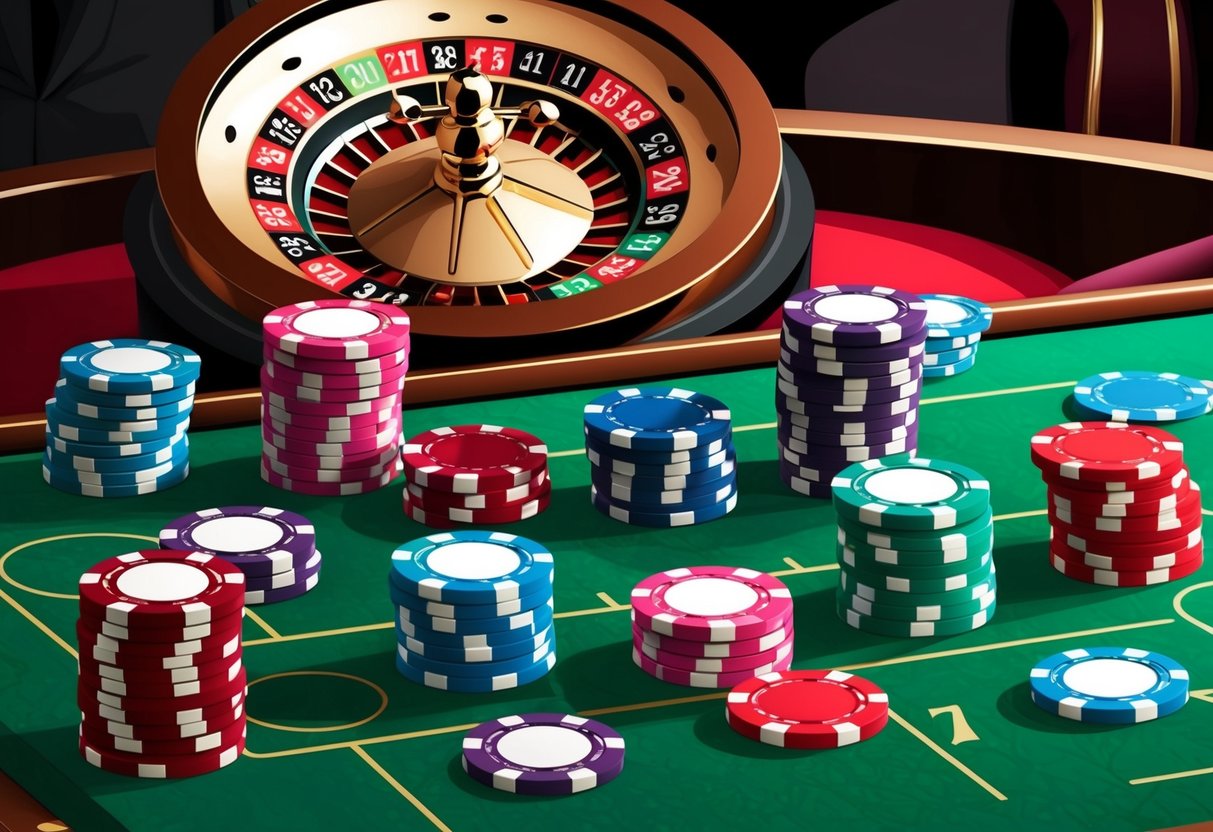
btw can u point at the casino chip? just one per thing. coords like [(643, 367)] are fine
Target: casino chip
[(116, 426), (1109, 685), (807, 709), (1139, 396), (543, 754), (954, 327), (661, 419), (860, 404), (915, 547), (331, 386), (474, 610), (161, 682), (1122, 508)]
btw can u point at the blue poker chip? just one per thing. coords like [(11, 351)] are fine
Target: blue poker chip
[(108, 451), (707, 449), (539, 623), (466, 612), (663, 518), (113, 478), (952, 343), (64, 416), (643, 496), (1142, 396), (110, 433), (63, 461), (129, 365), (534, 619), (953, 369), (477, 684), (604, 478), (1109, 685), (656, 419), (696, 465), (68, 399), (473, 567), (475, 670), (935, 359), (477, 654), (100, 398), (72, 485), (952, 316)]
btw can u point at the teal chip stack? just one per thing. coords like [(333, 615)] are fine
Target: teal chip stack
[(473, 610), (954, 328), (117, 424), (915, 547)]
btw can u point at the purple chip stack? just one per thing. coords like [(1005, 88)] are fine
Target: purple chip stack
[(849, 379)]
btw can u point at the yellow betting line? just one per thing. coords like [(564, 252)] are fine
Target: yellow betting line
[(395, 784), (955, 763)]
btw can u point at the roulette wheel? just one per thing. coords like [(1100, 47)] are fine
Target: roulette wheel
[(535, 175)]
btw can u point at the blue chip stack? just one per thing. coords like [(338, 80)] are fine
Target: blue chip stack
[(954, 327), (116, 426), (473, 610), (660, 456), (848, 381)]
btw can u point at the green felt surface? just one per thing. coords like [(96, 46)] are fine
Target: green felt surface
[(1013, 766)]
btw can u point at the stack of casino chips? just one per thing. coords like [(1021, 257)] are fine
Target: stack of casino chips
[(711, 626), (161, 687), (1123, 509), (660, 456), (915, 547), (331, 389), (274, 548), (849, 380), (473, 610), (117, 424), (482, 474), (954, 328)]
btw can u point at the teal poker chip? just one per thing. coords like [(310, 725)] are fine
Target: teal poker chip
[(913, 493), (917, 629), (1142, 396), (1109, 685), (966, 539), (72, 485), (952, 343), (954, 316), (942, 358), (924, 612), (473, 567), (953, 369), (656, 419), (979, 573), (848, 583), (955, 548), (129, 365), (870, 560)]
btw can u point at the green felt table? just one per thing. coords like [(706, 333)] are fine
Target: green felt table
[(339, 740)]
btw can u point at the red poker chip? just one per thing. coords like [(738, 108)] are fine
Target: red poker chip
[(221, 738), (455, 517), (334, 395), (283, 374), (163, 733), (362, 422), (156, 654), (1122, 503), (155, 675), (207, 692), (162, 767), (1107, 452), (330, 367), (711, 603), (163, 688), (473, 459), (1115, 548), (342, 329), (1107, 577), (221, 628), (713, 649), (161, 588), (694, 679), (1125, 563), (157, 717), (1183, 526), (329, 409), (1164, 522), (731, 664), (329, 489), (434, 500), (807, 709)]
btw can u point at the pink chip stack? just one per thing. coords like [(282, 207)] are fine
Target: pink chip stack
[(331, 390)]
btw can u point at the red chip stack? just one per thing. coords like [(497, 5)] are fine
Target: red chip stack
[(161, 686), (1122, 506), (481, 474), (331, 390)]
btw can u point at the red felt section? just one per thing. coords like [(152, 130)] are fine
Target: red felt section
[(50, 305)]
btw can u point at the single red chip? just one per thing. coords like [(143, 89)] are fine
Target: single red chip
[(1107, 452), (1108, 577), (347, 330), (807, 709), (472, 459)]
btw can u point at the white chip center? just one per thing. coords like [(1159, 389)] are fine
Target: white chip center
[(336, 323), (237, 534), (473, 561), (1110, 678), (163, 581), (711, 596), (857, 309), (130, 360), (945, 312), (911, 486), (544, 746)]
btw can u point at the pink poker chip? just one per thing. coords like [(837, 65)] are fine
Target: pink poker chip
[(349, 330), (711, 603)]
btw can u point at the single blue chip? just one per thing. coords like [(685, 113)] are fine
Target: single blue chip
[(129, 365), (65, 389), (953, 369), (954, 316), (1142, 396), (473, 567), (656, 419), (1109, 685)]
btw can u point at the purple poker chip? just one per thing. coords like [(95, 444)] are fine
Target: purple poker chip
[(825, 455), (543, 753), (812, 380), (850, 315), (792, 406), (810, 488), (260, 540), (289, 578), (796, 365), (802, 441), (305, 583), (800, 426), (806, 349), (817, 396)]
